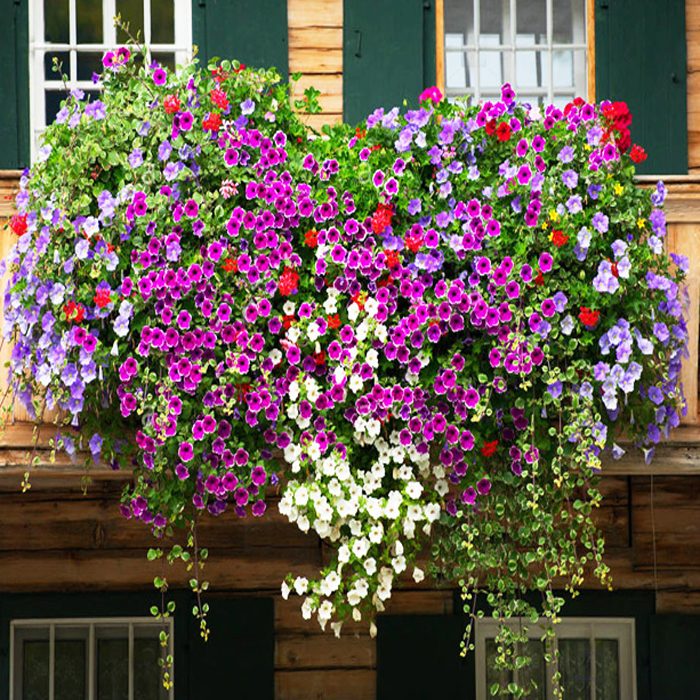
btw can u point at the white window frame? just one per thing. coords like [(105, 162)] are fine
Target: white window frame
[(20, 627), (38, 47), (591, 628), (477, 51)]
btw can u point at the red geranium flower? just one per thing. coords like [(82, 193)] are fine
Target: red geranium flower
[(638, 154), (288, 281), (559, 238), (333, 321), (171, 104), (212, 122), (218, 97), (588, 317), (102, 298), (75, 313), (489, 448), (230, 265), (311, 238), (18, 224)]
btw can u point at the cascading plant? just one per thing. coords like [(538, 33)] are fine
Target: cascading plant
[(422, 332)]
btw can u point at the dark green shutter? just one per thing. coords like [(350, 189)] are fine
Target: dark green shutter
[(640, 59), (675, 649), (252, 31), (14, 84), (418, 658), (239, 658), (388, 54)]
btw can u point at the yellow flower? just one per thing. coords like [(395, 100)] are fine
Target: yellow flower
[(641, 222), (619, 189), (553, 215)]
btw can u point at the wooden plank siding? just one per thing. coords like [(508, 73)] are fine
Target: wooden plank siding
[(692, 29), (316, 51)]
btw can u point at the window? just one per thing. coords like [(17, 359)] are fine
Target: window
[(538, 46), (78, 32), (596, 660), (88, 659)]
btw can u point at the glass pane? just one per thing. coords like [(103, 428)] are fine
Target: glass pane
[(562, 100), (569, 18), (459, 66), (492, 30), (607, 669), (112, 669), (531, 69), (532, 20), (56, 21), (575, 667), (493, 674), (459, 21), (147, 673), (89, 21), (167, 60), (89, 63), (131, 12), (533, 677), (533, 100), (69, 674), (162, 22), (563, 68), (491, 63), (35, 670), (53, 104), (64, 61)]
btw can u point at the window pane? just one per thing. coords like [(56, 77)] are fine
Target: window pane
[(69, 674), (533, 677), (147, 673), (493, 674), (569, 22), (53, 99), (112, 669), (491, 63), (531, 69), (459, 66), (35, 670), (56, 21), (89, 21), (167, 60), (492, 26), (162, 22), (131, 11), (575, 667), (64, 61), (89, 63), (531, 20), (459, 20), (607, 669)]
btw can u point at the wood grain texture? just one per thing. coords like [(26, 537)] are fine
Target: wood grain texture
[(304, 14), (324, 684), (316, 51), (590, 48), (685, 239)]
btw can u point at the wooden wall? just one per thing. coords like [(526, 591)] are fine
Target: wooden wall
[(692, 29), (56, 538), (316, 51)]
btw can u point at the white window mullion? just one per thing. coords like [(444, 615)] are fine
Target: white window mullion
[(73, 38), (131, 661), (109, 31), (510, 73), (477, 50), (550, 57), (147, 26), (593, 669), (52, 660), (183, 31), (92, 680)]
